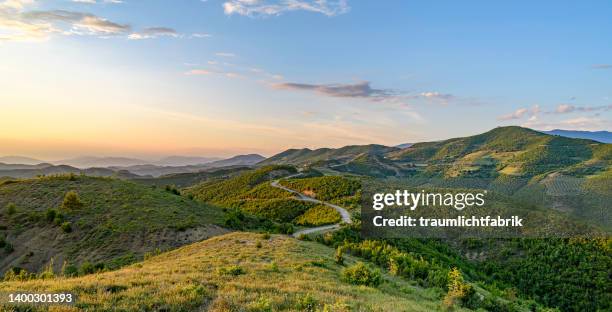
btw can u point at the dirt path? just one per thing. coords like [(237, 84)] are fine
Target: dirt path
[(346, 216)]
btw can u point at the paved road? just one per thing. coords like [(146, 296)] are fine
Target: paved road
[(346, 216)]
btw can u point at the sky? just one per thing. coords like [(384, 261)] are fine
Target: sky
[(222, 77)]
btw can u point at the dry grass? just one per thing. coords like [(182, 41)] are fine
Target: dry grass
[(279, 274)]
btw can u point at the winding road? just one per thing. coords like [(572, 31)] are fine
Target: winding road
[(346, 216)]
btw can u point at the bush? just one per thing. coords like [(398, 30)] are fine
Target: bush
[(8, 248), (17, 274), (69, 270), (11, 209), (307, 303), (233, 270), (360, 274), (66, 227), (459, 292), (72, 201)]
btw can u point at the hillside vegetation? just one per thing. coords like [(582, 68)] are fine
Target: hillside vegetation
[(241, 272), (77, 219)]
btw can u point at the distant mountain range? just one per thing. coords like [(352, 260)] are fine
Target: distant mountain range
[(122, 167), (600, 136)]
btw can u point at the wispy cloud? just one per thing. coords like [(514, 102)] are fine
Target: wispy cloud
[(568, 108), (206, 72), (560, 109), (517, 114), (95, 1), (585, 123), (356, 90), (602, 66), (225, 54), (153, 32), (17, 23), (258, 8)]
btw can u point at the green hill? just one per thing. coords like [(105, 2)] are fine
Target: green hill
[(182, 180), (307, 156), (109, 221), (239, 272), (505, 150)]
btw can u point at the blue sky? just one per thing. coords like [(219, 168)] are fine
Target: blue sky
[(150, 78)]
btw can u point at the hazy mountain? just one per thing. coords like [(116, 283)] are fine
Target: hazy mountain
[(239, 160), (21, 160), (185, 160), (48, 169), (600, 136), (92, 161)]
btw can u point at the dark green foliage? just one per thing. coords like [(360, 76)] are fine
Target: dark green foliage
[(11, 209), (234, 188), (280, 210), (233, 270), (70, 270), (172, 189), (360, 274), (325, 188), (319, 215), (66, 227)]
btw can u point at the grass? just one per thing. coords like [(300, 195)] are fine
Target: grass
[(117, 217), (230, 273)]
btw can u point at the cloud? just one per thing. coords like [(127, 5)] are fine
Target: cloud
[(225, 54), (568, 108), (153, 32), (206, 72), (357, 90), (19, 24), (517, 114), (256, 8), (94, 1), (602, 66), (565, 108), (584, 123)]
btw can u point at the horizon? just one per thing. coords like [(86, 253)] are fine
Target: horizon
[(159, 158), (231, 77)]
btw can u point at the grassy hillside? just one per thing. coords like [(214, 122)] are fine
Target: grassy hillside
[(505, 150), (238, 272), (110, 222), (307, 156), (182, 180)]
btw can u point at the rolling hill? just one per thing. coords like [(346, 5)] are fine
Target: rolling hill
[(307, 156), (238, 272), (112, 221)]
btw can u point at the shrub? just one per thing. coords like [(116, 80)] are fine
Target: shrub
[(8, 248), (72, 201), (265, 236), (17, 274), (307, 303), (259, 244), (458, 290), (339, 255), (11, 208), (69, 270), (66, 227), (2, 241), (50, 214), (233, 270), (360, 274)]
